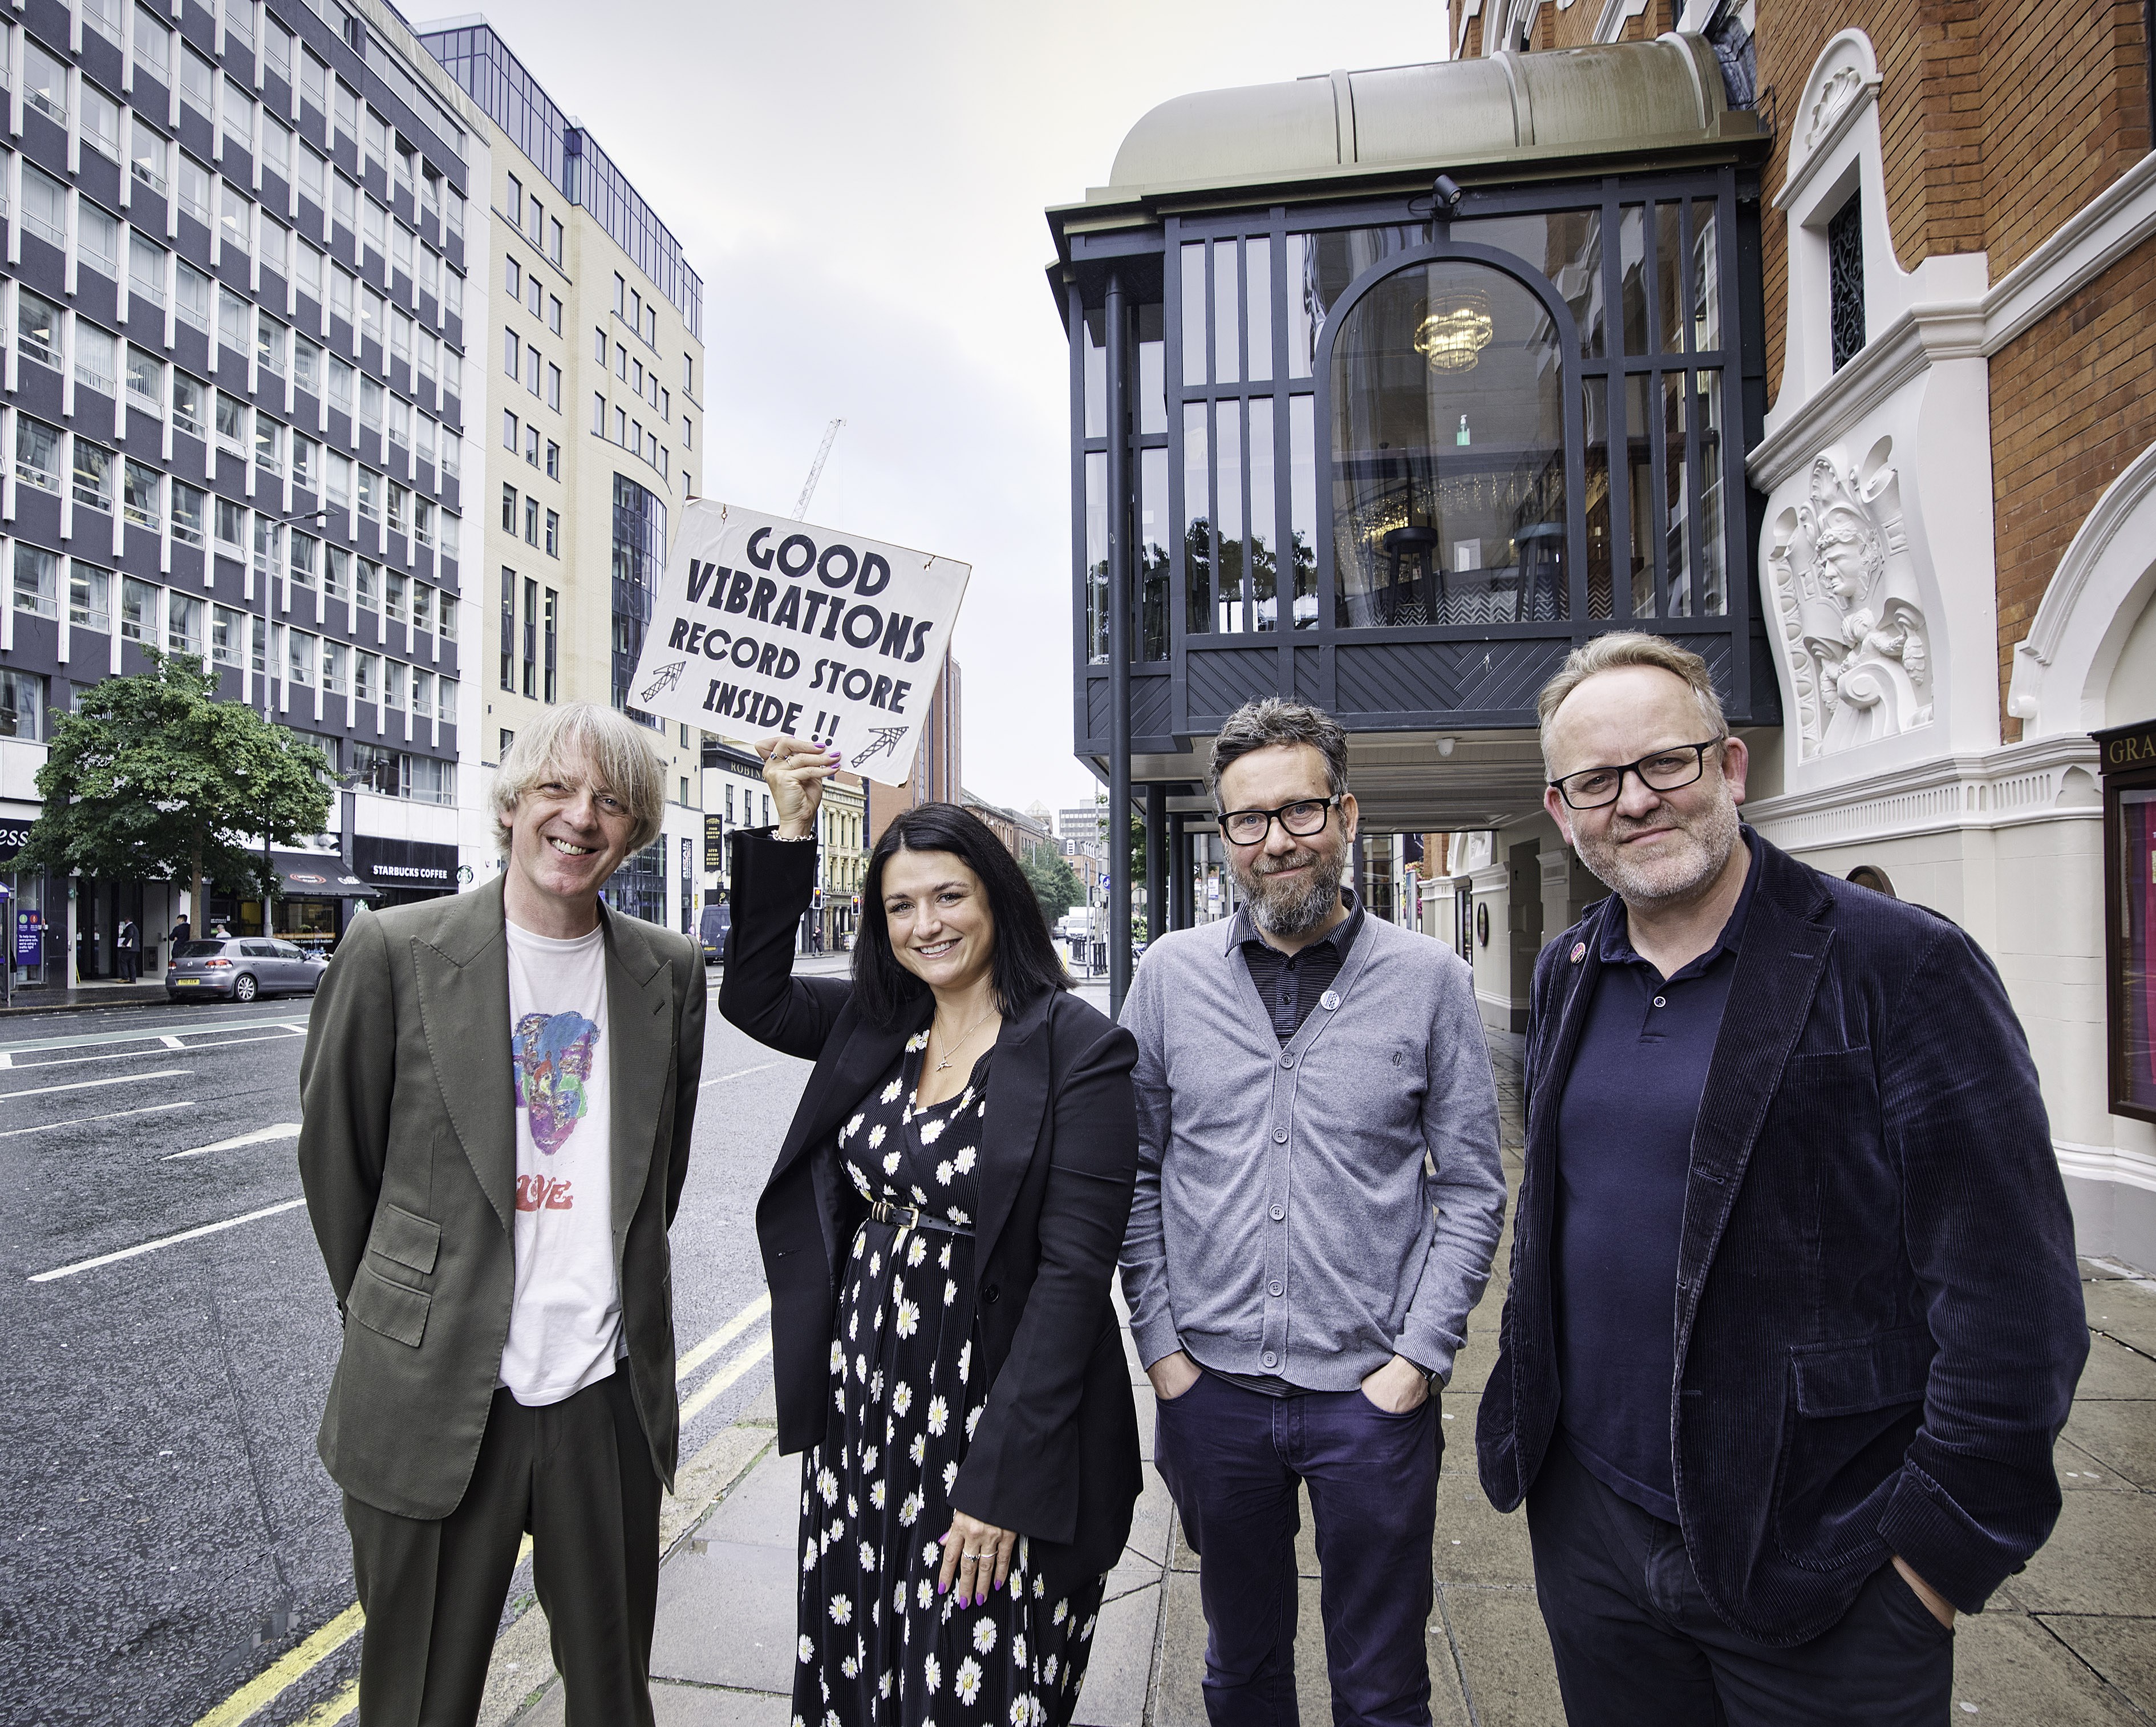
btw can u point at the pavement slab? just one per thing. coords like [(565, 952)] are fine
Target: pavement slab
[(2122, 1307), (2097, 1559), (2010, 1667), (2116, 1373), (2120, 1435), (1504, 1655), (2122, 1653)]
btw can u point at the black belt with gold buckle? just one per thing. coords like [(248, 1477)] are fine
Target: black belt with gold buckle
[(913, 1217)]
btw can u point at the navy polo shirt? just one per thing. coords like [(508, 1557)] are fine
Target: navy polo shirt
[(1624, 1158)]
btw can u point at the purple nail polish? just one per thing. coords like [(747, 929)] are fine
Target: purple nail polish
[(942, 1589)]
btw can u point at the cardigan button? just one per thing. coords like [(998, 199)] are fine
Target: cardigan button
[(1287, 1060), (1270, 1358), (1279, 1212), (991, 1293), (1280, 1136)]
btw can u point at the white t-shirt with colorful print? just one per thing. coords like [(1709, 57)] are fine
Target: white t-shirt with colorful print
[(565, 1326)]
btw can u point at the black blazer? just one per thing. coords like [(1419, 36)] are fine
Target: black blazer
[(1056, 1454), (1878, 1313)]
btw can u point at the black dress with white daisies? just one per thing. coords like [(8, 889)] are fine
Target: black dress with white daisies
[(878, 1644)]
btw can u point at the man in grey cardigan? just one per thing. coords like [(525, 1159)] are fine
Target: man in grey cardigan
[(1318, 1199)]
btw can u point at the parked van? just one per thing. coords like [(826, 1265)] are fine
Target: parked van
[(718, 922)]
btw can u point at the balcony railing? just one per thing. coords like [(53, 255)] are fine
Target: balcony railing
[(54, 111), (44, 230), (87, 497), (186, 533), (152, 178), (104, 384), (140, 517), (30, 348), (30, 474)]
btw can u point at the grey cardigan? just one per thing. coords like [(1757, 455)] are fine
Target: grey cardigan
[(1305, 1211)]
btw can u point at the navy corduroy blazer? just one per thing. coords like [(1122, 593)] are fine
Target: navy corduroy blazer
[(1878, 1314)]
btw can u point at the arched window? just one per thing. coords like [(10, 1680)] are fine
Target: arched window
[(1449, 493)]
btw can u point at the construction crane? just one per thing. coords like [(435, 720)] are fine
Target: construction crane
[(816, 469)]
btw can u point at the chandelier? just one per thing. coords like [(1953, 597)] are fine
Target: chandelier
[(1457, 330)]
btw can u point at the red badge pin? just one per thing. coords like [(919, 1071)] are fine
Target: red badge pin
[(1579, 952)]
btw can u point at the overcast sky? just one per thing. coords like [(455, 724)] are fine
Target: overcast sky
[(861, 189)]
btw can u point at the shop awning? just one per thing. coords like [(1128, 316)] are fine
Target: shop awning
[(301, 877)]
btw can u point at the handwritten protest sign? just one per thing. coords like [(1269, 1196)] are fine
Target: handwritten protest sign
[(761, 624)]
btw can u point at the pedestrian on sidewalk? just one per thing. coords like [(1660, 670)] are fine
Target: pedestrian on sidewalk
[(1319, 1196), (182, 931), (1794, 1317), (128, 942), (496, 1099), (940, 1235)]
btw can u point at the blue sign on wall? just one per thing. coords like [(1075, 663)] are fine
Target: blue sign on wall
[(30, 939)]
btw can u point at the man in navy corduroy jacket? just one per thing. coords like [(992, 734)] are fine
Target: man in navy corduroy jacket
[(1794, 1317)]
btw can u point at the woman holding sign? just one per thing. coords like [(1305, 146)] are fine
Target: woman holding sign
[(940, 1233)]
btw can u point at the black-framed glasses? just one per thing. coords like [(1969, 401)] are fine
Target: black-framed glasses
[(1664, 771), (1302, 819)]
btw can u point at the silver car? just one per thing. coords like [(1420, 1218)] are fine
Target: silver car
[(240, 968)]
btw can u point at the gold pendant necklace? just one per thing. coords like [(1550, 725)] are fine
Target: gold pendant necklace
[(951, 1051)]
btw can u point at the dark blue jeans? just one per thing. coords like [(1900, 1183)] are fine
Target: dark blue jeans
[(1233, 1459), (1638, 1644)]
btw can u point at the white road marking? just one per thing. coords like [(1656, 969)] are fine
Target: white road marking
[(171, 1043), (90, 1038), (283, 1130), (84, 1121), (185, 1049), (739, 1073), (726, 1377), (725, 1334), (185, 1235), (84, 1085)]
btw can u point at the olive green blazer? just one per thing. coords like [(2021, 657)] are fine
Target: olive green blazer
[(408, 1154)]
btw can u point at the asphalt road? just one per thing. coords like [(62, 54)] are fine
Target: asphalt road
[(166, 1529)]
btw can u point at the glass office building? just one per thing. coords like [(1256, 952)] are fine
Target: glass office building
[(235, 319)]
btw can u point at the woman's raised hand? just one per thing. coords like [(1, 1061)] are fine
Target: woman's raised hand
[(796, 772)]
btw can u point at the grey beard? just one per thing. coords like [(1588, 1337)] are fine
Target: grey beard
[(1293, 914), (1716, 832)]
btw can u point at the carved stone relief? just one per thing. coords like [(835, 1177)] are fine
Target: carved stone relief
[(1836, 94), (1847, 603)]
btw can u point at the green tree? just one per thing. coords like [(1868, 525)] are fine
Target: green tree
[(1055, 883), (154, 778)]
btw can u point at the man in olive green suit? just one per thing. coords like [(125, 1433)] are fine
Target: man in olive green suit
[(496, 1102)]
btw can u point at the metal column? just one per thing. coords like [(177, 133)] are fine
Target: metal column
[(1158, 852), (1119, 649), (1184, 910)]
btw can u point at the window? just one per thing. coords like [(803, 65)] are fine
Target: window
[(400, 250), (227, 632), (508, 509), (343, 381), (553, 533), (191, 294), (445, 616), (89, 598), (366, 676), (95, 358), (370, 403), (376, 134), (554, 387), (531, 638), (307, 365), (344, 202), (406, 160), (340, 293), (369, 500), (272, 342), (508, 430), (1845, 263), (238, 114), (422, 693), (620, 294), (232, 219), (146, 155), (138, 610), (101, 122), (153, 46), (538, 222), (268, 545), (554, 249), (598, 414), (302, 653), (268, 445), (233, 316), (621, 427), (513, 279), (511, 351), (188, 505), (393, 697), (453, 206), (531, 370), (554, 314), (37, 453), (551, 616), (601, 355), (373, 223), (198, 82), (138, 493), (688, 374), (430, 272), (194, 189), (367, 595), (530, 518), (531, 446), (314, 82), (36, 575), (37, 329), (146, 269), (688, 433), (534, 296), (336, 573), (508, 635), (97, 239), (423, 606), (621, 362), (335, 658), (44, 82), (44, 207), (145, 381), (400, 509), (232, 527), (453, 293), (554, 459), (22, 705), (400, 423), (93, 476), (372, 308), (183, 625)]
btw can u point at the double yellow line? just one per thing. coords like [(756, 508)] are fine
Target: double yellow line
[(273, 1681)]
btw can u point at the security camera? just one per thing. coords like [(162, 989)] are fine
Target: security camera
[(1447, 193)]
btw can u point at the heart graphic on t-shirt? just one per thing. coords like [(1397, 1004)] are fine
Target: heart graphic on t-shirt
[(552, 1055)]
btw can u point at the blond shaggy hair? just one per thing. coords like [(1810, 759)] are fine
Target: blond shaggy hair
[(1629, 647), (616, 750)]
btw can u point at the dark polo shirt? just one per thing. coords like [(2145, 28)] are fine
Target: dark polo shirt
[(1624, 1129), (1289, 984)]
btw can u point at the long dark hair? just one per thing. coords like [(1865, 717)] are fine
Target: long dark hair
[(1025, 963)]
